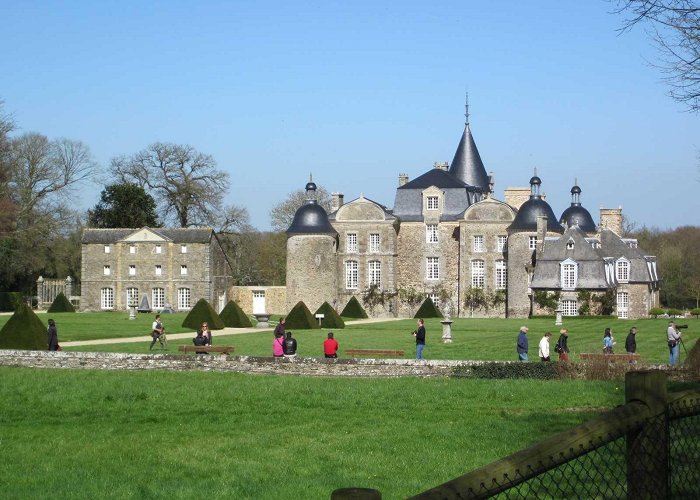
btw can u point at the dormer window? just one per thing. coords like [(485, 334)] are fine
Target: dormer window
[(432, 203), (570, 245), (622, 270), (569, 274)]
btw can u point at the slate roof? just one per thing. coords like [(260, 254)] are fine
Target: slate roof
[(526, 219), (176, 235), (467, 165), (310, 218), (434, 177)]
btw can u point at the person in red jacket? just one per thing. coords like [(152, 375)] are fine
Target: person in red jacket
[(330, 346)]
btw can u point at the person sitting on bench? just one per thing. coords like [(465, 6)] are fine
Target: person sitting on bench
[(200, 340)]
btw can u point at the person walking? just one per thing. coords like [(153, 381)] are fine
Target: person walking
[(278, 345), (290, 346), (562, 346), (631, 342), (52, 335), (674, 340), (608, 341), (419, 334), (522, 344), (544, 347), (330, 346), (157, 330)]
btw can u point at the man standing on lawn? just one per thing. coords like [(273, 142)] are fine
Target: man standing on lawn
[(522, 344), (631, 342), (419, 334)]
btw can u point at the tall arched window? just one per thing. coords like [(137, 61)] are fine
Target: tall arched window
[(569, 274), (622, 270)]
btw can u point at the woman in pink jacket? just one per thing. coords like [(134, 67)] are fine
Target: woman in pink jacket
[(277, 343)]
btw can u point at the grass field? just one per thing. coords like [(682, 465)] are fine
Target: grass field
[(150, 434), (477, 339)]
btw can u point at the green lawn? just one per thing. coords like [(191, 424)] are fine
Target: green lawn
[(153, 434), (478, 339)]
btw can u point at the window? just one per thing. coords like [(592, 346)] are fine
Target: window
[(158, 298), (432, 270), (501, 242), (132, 248), (532, 242), (183, 270), (351, 275), (106, 270), (183, 248), (478, 243), (132, 270), (108, 249), (183, 298), (435, 298), (570, 245), (478, 274), (107, 298), (432, 203), (569, 274), (374, 243), (159, 270), (132, 296), (569, 308), (375, 273), (431, 233), (159, 248), (501, 274), (351, 243), (623, 304), (622, 270)]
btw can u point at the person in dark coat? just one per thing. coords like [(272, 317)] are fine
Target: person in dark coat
[(279, 329), (52, 334), (289, 346), (631, 342), (522, 346), (562, 346), (419, 334), (199, 341)]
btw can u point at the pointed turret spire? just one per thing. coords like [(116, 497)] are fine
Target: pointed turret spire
[(466, 111), (466, 164)]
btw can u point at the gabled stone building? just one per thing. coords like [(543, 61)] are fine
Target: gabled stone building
[(168, 266), (447, 236)]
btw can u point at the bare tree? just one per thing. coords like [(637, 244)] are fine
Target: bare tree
[(187, 186), (674, 25), (282, 214)]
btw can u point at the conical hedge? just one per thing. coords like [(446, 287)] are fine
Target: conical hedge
[(24, 330), (200, 313), (353, 309), (61, 304), (331, 318), (428, 310), (234, 317), (300, 317)]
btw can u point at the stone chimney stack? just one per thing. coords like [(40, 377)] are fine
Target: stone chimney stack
[(403, 179), (516, 196), (611, 218), (541, 232), (442, 165), (336, 201)]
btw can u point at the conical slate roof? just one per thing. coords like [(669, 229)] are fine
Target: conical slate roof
[(467, 165)]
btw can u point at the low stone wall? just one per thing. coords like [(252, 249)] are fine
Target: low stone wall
[(342, 367)]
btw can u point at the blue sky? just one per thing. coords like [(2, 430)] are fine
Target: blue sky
[(358, 92)]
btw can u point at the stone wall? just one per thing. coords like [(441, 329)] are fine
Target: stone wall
[(311, 270), (275, 298), (342, 367)]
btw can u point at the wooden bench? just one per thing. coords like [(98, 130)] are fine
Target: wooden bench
[(374, 352), (206, 348), (601, 356)]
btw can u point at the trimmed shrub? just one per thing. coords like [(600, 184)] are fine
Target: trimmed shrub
[(61, 304), (695, 312), (656, 312), (24, 330), (495, 370), (234, 317), (300, 317), (353, 309), (9, 301), (200, 313), (331, 318), (428, 310), (672, 311)]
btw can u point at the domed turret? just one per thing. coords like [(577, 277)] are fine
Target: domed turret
[(576, 215), (526, 220), (311, 218)]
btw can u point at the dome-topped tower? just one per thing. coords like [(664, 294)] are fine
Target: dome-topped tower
[(535, 207), (576, 214), (311, 218)]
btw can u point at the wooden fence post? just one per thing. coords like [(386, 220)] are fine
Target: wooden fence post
[(647, 448)]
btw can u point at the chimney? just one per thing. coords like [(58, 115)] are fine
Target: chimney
[(541, 232), (336, 201), (441, 165), (403, 179), (516, 196), (611, 218)]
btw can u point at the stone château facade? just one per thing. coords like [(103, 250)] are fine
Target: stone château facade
[(448, 238), (167, 267)]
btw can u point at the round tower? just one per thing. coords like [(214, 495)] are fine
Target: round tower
[(311, 255), (525, 238)]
